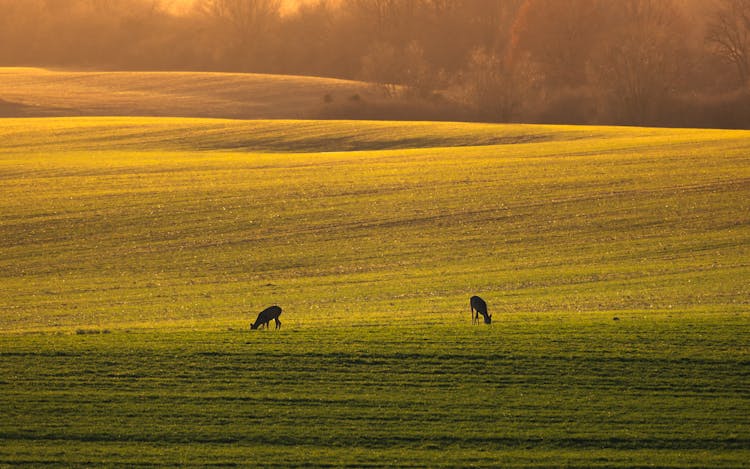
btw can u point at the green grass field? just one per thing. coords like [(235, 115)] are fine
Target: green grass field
[(136, 251)]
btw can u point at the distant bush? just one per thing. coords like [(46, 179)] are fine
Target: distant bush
[(583, 106), (726, 111), (10, 109), (92, 331), (570, 106)]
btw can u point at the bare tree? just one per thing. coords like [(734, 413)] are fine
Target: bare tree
[(389, 20), (496, 86), (560, 36), (491, 21), (246, 25), (729, 35), (380, 66), (638, 64)]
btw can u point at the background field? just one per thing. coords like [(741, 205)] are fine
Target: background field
[(33, 92), (137, 250)]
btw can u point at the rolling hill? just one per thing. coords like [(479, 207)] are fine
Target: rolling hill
[(153, 219), (28, 92)]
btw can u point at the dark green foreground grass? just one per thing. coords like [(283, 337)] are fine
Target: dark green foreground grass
[(529, 391)]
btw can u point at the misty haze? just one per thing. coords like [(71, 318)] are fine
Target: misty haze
[(645, 62)]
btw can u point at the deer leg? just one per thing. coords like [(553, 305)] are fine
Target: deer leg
[(278, 323)]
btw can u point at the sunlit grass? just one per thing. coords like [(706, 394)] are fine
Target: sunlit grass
[(117, 221), (135, 252)]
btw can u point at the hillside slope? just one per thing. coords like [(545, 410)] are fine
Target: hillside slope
[(28, 92), (120, 222)]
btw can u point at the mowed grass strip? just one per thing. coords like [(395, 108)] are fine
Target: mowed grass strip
[(531, 390), (533, 218)]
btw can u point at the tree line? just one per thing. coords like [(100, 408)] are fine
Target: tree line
[(642, 62)]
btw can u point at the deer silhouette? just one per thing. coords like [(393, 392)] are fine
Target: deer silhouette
[(265, 316), (480, 306)]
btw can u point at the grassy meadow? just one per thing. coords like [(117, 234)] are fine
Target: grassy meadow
[(41, 92), (136, 251)]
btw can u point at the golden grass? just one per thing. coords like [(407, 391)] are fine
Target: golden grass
[(125, 222)]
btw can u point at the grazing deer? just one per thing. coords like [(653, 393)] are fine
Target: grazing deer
[(265, 316), (480, 306)]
